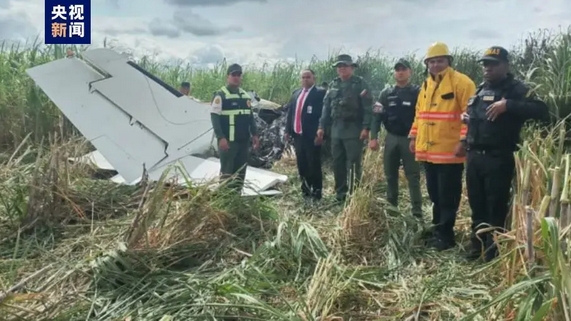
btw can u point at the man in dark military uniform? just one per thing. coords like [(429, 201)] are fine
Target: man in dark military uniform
[(234, 124), (495, 116), (347, 108), (395, 109)]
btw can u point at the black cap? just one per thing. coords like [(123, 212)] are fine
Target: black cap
[(185, 84), (403, 62), (495, 53), (234, 68)]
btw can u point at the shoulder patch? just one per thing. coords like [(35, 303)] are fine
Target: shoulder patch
[(216, 105)]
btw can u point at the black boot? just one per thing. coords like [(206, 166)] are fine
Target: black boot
[(476, 248), (443, 241), (316, 194), (491, 248), (427, 235)]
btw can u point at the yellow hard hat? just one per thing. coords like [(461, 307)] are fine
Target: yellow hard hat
[(437, 49)]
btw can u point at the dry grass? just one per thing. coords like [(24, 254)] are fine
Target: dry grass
[(76, 248)]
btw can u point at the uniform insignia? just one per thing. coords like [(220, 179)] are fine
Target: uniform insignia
[(488, 98), (406, 103), (216, 105), (377, 108)]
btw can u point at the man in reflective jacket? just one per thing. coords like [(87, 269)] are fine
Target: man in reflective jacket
[(395, 110), (495, 116), (234, 124), (436, 139)]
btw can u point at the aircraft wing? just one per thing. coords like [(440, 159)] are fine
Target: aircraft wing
[(131, 117)]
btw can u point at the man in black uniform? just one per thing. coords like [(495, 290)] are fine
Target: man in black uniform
[(395, 109), (234, 124), (495, 116)]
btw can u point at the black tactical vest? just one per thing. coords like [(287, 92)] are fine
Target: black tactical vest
[(500, 134), (400, 112), (235, 115)]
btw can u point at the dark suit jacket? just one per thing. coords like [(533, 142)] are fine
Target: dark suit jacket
[(309, 116)]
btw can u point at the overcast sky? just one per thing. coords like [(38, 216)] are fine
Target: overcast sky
[(205, 31)]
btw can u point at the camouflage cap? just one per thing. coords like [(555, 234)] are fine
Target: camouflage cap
[(234, 68), (404, 63), (344, 60)]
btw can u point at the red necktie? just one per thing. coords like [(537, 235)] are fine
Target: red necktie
[(297, 126)]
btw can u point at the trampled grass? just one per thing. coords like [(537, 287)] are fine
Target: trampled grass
[(77, 248)]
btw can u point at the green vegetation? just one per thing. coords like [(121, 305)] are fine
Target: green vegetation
[(75, 248)]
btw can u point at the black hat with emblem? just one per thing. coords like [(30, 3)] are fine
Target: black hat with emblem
[(495, 54)]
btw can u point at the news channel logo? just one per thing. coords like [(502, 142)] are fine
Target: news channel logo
[(67, 22)]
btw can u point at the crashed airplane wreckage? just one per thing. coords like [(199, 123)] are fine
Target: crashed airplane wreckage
[(137, 122)]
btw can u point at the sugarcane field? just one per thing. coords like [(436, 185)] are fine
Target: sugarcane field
[(110, 206)]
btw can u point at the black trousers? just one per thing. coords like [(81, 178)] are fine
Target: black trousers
[(309, 166), (489, 176), (444, 185)]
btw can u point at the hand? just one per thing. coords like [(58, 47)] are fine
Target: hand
[(223, 144), (460, 150), (255, 142), (364, 134), (374, 144), (465, 118), (319, 137), (412, 145), (496, 109)]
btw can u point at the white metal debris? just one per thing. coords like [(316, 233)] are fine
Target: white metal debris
[(134, 119)]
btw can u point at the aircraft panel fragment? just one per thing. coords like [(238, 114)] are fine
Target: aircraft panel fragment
[(134, 119)]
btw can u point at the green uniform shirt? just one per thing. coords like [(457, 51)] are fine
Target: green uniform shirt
[(347, 107)]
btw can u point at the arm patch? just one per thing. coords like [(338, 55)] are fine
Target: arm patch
[(216, 105)]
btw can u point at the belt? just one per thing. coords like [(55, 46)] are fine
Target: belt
[(489, 151)]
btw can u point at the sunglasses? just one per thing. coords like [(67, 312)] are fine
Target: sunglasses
[(236, 74)]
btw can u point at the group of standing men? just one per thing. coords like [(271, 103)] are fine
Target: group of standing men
[(443, 123)]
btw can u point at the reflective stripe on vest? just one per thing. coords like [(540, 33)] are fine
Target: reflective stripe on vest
[(234, 112)]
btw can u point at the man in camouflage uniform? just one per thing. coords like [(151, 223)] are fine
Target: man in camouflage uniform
[(234, 124), (347, 108)]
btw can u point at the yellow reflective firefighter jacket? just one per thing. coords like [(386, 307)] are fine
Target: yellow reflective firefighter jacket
[(438, 127)]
